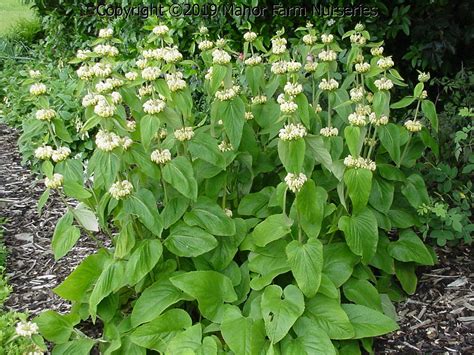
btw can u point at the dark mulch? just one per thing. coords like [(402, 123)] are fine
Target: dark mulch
[(31, 268), (438, 319)]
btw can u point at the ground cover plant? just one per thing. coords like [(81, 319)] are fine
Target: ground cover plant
[(277, 216)]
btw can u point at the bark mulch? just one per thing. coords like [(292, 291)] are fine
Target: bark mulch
[(31, 268), (437, 319)]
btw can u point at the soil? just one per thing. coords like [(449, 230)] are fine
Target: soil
[(437, 319)]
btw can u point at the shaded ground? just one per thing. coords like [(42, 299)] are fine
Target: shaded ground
[(438, 319), (31, 267)]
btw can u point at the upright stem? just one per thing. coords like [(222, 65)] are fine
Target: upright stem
[(370, 142), (163, 183), (284, 200), (409, 135), (50, 129), (224, 193)]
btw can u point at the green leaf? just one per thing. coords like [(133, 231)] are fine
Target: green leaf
[(306, 262), (381, 103), (243, 335), (80, 281), (105, 166), (328, 315), (157, 334), (219, 72), (174, 210), (65, 236), (406, 275), (359, 183), (154, 300), (327, 287), (61, 130), (415, 191), (43, 199), (291, 154), (402, 219), (211, 289), (310, 204), (205, 147), (55, 327), (86, 217), (280, 314), (339, 263), (360, 231), (143, 260), (149, 125), (362, 292), (390, 172), (76, 190), (179, 173), (406, 101), (189, 241), (268, 262), (272, 228), (186, 342), (91, 122), (319, 150), (429, 110), (354, 143), (368, 322), (82, 346), (209, 216), (389, 136), (256, 204), (143, 205), (382, 259), (311, 339), (381, 196), (110, 280), (418, 89), (255, 77), (409, 247), (302, 110), (232, 113)]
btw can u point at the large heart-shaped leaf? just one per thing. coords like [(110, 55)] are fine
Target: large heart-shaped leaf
[(211, 289), (154, 300), (389, 136), (143, 205), (157, 334), (359, 182), (409, 247), (339, 263), (189, 241), (243, 335), (272, 228), (143, 260), (209, 216), (368, 322), (306, 262), (179, 173), (329, 316), (361, 233), (310, 204), (362, 292), (279, 314)]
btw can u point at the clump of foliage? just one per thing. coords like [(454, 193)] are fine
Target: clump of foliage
[(279, 215)]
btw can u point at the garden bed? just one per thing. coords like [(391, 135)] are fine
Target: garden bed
[(31, 267), (437, 319)]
